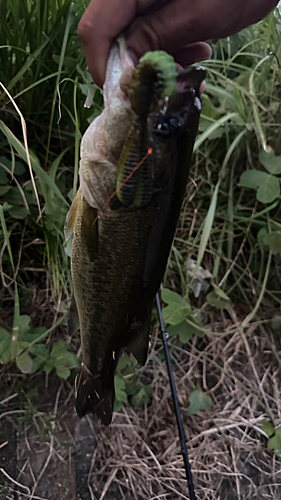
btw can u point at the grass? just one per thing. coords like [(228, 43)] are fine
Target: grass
[(138, 456), (226, 226), (227, 446)]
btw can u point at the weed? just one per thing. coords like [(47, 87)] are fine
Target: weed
[(230, 224), (25, 347)]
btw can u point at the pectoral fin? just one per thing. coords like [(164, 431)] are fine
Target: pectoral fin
[(140, 330), (73, 318), (89, 229), (72, 216)]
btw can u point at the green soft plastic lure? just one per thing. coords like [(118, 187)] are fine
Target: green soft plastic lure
[(153, 80), (165, 66)]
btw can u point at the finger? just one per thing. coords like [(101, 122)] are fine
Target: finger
[(192, 53), (101, 23), (203, 87), (170, 28), (203, 84), (182, 22)]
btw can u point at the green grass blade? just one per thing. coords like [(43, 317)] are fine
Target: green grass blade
[(35, 84), (219, 123), (45, 180), (56, 164), (260, 132), (230, 235), (62, 55), (17, 303), (77, 139), (26, 66), (207, 227), (230, 150), (6, 237)]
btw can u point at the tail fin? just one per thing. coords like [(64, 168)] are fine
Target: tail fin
[(94, 395)]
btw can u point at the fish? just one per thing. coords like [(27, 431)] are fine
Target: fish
[(134, 166)]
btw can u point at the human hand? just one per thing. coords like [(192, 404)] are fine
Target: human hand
[(176, 26)]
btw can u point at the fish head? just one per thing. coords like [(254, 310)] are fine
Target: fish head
[(173, 127), (166, 105)]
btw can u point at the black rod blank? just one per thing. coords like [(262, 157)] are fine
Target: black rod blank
[(165, 337)]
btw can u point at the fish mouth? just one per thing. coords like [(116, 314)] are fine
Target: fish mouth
[(190, 78), (172, 108), (176, 109)]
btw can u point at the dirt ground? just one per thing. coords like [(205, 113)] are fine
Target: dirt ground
[(138, 456)]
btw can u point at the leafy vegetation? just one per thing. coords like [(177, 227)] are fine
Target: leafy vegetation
[(230, 221), (221, 294), (25, 347), (128, 385), (274, 436), (197, 400)]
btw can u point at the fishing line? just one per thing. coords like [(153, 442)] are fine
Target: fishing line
[(149, 152), (165, 337)]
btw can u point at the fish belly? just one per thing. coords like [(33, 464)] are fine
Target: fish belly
[(111, 290)]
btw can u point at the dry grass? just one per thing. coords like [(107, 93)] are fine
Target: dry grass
[(228, 451), (138, 456)]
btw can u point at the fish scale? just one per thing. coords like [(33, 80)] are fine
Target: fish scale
[(119, 252), (137, 188)]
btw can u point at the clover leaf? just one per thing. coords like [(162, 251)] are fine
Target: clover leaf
[(198, 400)]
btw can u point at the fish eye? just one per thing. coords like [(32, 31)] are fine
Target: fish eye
[(163, 128), (166, 126)]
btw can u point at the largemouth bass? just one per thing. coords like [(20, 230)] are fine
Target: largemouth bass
[(133, 172)]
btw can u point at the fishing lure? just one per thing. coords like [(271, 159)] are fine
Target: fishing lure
[(153, 80)]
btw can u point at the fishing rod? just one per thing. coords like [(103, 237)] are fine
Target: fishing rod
[(165, 337)]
